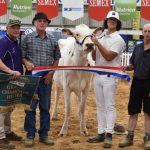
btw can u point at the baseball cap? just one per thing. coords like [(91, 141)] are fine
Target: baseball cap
[(113, 14), (13, 22)]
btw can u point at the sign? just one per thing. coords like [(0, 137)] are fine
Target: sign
[(14, 90), (99, 9), (72, 9), (49, 7), (126, 9), (21, 8), (3, 7)]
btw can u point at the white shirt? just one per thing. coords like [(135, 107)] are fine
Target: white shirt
[(112, 42)]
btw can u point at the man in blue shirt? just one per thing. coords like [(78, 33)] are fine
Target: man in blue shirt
[(140, 90), (10, 63)]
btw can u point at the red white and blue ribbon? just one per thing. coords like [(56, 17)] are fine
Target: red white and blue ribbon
[(114, 71)]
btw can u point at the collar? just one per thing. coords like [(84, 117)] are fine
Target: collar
[(112, 35), (12, 40), (36, 34)]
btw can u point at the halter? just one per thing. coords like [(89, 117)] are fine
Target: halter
[(81, 43)]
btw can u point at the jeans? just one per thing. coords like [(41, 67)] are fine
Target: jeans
[(44, 94)]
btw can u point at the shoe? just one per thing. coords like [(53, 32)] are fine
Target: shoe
[(146, 143), (127, 142), (13, 137), (5, 145), (29, 141), (96, 139), (46, 141), (108, 141)]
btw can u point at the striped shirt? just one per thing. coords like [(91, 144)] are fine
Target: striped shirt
[(41, 52)]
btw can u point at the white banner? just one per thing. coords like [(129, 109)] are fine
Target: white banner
[(72, 9)]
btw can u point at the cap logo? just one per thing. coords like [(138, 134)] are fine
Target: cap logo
[(113, 13)]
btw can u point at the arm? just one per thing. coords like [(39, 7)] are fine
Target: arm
[(129, 68), (6, 69), (24, 47), (49, 76), (108, 55), (28, 65)]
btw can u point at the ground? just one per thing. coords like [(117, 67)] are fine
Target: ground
[(74, 140)]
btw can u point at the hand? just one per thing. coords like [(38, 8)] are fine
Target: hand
[(29, 66), (48, 77), (94, 40), (15, 73)]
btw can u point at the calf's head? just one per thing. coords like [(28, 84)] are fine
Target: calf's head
[(83, 34)]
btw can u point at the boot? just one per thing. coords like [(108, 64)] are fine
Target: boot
[(146, 143), (4, 144), (108, 141), (29, 141), (96, 139), (127, 142), (46, 141), (13, 137)]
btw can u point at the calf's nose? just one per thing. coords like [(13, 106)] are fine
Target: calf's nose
[(90, 45)]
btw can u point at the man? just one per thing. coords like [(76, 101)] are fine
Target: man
[(10, 63), (40, 49), (109, 49), (140, 90)]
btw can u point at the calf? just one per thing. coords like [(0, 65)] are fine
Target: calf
[(74, 52)]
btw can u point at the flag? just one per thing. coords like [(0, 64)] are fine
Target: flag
[(21, 8), (50, 8), (99, 9), (3, 7), (72, 9), (126, 9), (145, 7)]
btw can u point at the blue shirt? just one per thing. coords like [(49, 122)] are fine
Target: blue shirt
[(140, 59), (10, 53)]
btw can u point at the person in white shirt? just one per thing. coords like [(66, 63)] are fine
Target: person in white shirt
[(108, 53)]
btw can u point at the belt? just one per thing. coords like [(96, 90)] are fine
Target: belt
[(108, 75)]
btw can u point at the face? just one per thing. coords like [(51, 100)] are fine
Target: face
[(13, 31), (146, 32), (41, 24), (112, 23)]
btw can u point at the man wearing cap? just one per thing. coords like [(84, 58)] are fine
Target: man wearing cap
[(40, 49), (108, 53), (10, 63)]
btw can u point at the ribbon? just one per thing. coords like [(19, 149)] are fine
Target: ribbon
[(105, 70)]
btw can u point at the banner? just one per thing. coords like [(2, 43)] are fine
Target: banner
[(50, 8), (126, 9), (14, 90), (72, 9), (145, 7), (98, 9), (21, 8), (136, 24), (114, 71), (3, 7)]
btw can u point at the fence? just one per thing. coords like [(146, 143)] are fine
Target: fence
[(125, 58)]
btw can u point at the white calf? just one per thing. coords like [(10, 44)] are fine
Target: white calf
[(74, 53)]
